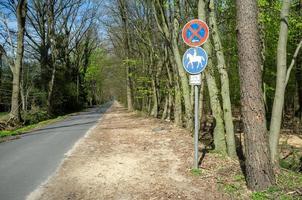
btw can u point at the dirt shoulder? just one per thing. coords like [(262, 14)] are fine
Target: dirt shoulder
[(132, 157)]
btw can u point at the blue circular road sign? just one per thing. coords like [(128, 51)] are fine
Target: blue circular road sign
[(195, 60)]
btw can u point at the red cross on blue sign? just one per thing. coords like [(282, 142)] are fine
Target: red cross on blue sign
[(195, 33)]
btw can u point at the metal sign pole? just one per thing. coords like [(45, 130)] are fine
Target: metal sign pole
[(196, 129)]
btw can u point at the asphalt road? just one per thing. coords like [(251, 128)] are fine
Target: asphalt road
[(27, 162)]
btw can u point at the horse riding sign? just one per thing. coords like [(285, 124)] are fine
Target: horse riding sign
[(195, 33), (195, 60)]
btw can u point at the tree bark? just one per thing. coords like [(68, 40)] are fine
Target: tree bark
[(15, 102), (182, 74), (154, 111), (299, 85), (219, 130), (177, 95), (169, 85), (124, 16), (52, 36), (225, 86), (165, 111), (201, 99), (259, 171), (277, 110)]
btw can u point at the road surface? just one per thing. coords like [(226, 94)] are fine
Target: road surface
[(27, 162)]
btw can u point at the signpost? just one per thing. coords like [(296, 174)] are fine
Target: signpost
[(195, 33)]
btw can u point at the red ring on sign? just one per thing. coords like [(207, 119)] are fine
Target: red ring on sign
[(187, 27)]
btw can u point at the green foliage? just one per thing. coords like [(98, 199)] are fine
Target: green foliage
[(93, 76), (35, 116)]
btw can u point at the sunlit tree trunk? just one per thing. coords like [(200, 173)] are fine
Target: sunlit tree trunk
[(52, 36), (277, 110), (182, 74), (15, 102), (299, 85), (259, 171), (124, 16), (219, 130), (225, 86), (154, 111), (201, 99), (177, 95)]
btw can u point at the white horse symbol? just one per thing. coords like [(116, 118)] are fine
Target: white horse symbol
[(194, 58)]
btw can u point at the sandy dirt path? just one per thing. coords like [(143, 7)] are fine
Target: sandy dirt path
[(131, 157)]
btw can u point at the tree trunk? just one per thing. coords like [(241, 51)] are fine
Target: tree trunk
[(52, 36), (259, 171), (154, 111), (170, 103), (165, 111), (280, 84), (177, 93), (21, 17), (172, 39), (177, 106), (219, 133), (299, 85), (201, 99), (225, 87), (124, 16), (169, 86), (184, 83), (22, 94), (50, 89)]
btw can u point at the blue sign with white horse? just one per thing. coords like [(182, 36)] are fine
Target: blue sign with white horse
[(195, 60)]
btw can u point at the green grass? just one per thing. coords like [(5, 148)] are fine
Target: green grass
[(233, 186), (196, 172), (287, 183), (31, 127)]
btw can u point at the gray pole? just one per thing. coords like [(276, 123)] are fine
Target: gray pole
[(196, 121)]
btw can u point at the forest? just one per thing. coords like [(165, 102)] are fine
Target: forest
[(61, 56)]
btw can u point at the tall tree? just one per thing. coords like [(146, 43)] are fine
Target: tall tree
[(125, 21), (21, 11), (53, 49), (283, 73), (219, 130), (259, 171), (225, 86)]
